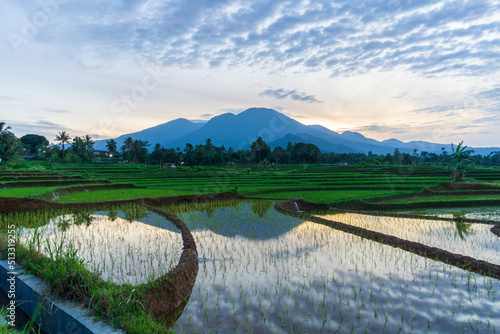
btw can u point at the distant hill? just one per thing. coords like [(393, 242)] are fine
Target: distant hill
[(239, 131), (161, 134)]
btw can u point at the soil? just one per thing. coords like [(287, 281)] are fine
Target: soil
[(464, 262), (167, 293), (496, 230)]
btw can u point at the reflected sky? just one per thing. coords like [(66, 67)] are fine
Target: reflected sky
[(305, 277), (254, 220), (481, 213), (113, 244), (474, 240)]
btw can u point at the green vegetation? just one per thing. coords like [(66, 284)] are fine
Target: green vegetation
[(458, 161), (10, 146)]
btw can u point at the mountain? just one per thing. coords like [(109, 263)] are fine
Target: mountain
[(161, 134), (239, 131)]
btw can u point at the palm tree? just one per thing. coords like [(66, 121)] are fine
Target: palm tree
[(111, 145), (64, 138), (458, 159), (3, 131), (258, 147), (127, 144), (208, 149), (88, 142)]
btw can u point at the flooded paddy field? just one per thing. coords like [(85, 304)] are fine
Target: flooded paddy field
[(264, 272), (122, 246), (469, 239)]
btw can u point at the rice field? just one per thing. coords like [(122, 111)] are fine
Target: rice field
[(124, 247), (480, 213), (469, 239), (263, 272)]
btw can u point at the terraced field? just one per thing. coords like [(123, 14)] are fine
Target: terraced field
[(254, 262)]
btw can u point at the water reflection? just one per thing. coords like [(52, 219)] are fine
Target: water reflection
[(474, 240), (463, 229), (305, 277), (113, 244), (254, 220), (481, 213)]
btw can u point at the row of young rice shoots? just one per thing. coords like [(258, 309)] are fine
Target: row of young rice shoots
[(469, 239), (123, 246), (264, 272)]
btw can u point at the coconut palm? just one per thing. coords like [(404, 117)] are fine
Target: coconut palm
[(64, 138), (458, 160), (111, 145), (3, 130), (88, 142)]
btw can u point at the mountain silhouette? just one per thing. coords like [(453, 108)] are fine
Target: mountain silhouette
[(240, 130)]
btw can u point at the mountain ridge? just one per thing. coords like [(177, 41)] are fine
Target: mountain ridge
[(240, 130)]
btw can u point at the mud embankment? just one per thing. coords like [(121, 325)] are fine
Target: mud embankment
[(165, 294)]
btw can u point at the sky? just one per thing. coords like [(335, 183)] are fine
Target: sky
[(405, 69)]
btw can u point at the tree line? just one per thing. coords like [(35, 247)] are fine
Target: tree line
[(80, 149)]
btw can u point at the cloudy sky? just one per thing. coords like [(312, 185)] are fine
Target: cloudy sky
[(406, 69)]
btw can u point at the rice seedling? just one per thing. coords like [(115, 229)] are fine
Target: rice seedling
[(481, 213), (261, 271), (474, 240), (116, 245)]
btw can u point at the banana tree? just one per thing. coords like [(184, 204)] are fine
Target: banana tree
[(459, 159)]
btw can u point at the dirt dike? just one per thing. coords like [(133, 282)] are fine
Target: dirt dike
[(464, 262), (496, 230), (167, 293), (369, 206)]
